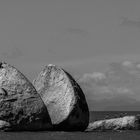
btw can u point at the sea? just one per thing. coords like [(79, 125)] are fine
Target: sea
[(96, 135)]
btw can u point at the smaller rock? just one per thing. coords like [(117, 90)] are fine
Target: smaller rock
[(4, 125), (124, 123)]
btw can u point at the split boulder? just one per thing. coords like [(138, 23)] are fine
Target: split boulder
[(64, 99), (21, 107)]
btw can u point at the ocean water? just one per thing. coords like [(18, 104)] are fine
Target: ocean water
[(106, 135)]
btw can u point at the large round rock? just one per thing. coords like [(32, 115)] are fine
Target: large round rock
[(63, 98), (21, 107)]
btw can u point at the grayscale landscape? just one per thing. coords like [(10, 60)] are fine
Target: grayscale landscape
[(93, 47)]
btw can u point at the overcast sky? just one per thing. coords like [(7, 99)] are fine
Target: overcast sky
[(80, 35)]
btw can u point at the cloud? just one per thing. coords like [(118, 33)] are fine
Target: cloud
[(138, 66), (77, 31), (116, 89), (109, 98), (127, 63), (115, 104), (129, 22), (92, 76)]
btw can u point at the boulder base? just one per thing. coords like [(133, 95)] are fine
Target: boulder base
[(63, 98), (21, 107)]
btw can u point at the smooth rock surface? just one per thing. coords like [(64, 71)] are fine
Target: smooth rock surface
[(124, 123), (21, 107), (63, 98)]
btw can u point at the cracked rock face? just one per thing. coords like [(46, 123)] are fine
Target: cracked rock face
[(63, 98), (21, 107)]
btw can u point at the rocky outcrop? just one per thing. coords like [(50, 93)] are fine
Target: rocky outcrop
[(124, 123), (21, 107), (63, 98)]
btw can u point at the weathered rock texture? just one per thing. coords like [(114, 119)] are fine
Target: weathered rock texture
[(21, 107), (63, 98), (124, 123)]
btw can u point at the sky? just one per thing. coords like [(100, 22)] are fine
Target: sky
[(81, 36), (117, 89)]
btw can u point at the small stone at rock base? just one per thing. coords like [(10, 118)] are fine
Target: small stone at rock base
[(4, 125)]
